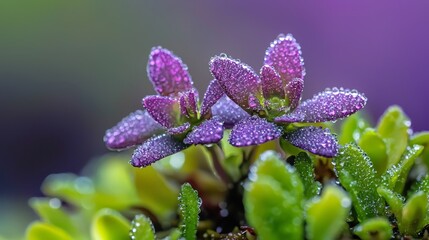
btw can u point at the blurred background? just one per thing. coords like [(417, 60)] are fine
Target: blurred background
[(71, 69)]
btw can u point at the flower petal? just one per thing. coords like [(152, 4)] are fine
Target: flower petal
[(329, 105), (132, 130), (188, 103), (272, 84), (168, 74), (164, 110), (211, 96), (210, 131), (284, 55), (237, 79), (253, 131), (294, 91), (315, 140), (228, 112), (155, 149), (180, 129)]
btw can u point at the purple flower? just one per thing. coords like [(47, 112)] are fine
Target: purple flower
[(172, 120), (273, 99)]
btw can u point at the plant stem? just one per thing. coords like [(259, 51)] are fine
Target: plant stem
[(216, 154)]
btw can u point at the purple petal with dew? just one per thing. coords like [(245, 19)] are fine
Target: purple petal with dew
[(132, 130), (228, 112), (180, 129), (330, 105), (188, 103), (253, 131), (254, 103), (294, 91), (164, 110), (168, 74), (209, 131), (272, 84), (315, 140), (237, 79), (155, 149), (211, 96), (284, 55)]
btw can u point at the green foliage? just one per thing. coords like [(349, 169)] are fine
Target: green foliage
[(305, 168), (273, 199), (108, 224), (415, 213), (374, 229), (352, 129), (375, 147), (358, 177), (397, 174), (142, 228), (189, 208), (393, 127), (45, 231), (326, 214)]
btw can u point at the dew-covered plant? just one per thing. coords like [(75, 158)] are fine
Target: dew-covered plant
[(250, 162)]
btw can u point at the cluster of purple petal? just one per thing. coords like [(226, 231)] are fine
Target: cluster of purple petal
[(258, 108), (172, 120)]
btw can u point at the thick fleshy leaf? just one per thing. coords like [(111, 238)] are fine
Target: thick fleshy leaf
[(142, 228), (228, 112), (305, 168), (211, 96), (396, 176), (315, 140), (188, 103), (415, 213), (374, 146), (326, 215), (237, 79), (210, 131), (180, 129), (43, 231), (329, 105), (374, 229), (357, 176), (169, 75), (284, 55), (294, 90), (132, 130), (273, 199), (394, 128), (189, 208), (108, 224), (253, 131), (165, 110), (155, 149), (272, 84)]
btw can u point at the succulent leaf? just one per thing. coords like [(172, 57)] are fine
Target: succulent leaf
[(189, 208)]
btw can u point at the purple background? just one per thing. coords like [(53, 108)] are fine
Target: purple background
[(71, 69)]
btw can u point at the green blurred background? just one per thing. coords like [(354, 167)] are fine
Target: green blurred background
[(71, 69)]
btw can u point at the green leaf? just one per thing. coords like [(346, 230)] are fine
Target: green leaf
[(397, 174), (142, 228), (71, 188), (155, 192), (305, 168), (393, 127), (45, 231), (422, 138), (189, 208), (108, 224), (326, 215), (357, 175), (415, 214), (50, 211), (352, 128), (373, 145), (273, 199), (394, 200), (420, 185), (374, 229)]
